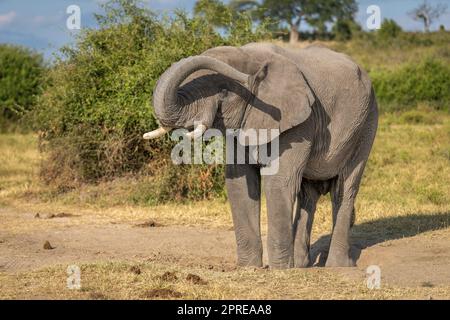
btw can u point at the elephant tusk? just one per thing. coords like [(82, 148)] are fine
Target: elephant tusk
[(156, 133), (197, 133)]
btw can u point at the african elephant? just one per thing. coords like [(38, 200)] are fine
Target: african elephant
[(325, 109)]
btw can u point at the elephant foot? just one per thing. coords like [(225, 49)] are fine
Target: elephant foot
[(302, 260), (341, 260), (281, 264), (250, 261)]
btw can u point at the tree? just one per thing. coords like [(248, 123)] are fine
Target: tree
[(250, 7), (20, 81), (317, 13), (344, 29), (238, 19), (389, 29), (214, 12), (428, 13)]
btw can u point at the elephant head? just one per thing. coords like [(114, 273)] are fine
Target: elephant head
[(231, 88)]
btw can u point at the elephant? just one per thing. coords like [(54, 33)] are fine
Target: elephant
[(325, 109)]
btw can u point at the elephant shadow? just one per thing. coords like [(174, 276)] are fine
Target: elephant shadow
[(370, 233)]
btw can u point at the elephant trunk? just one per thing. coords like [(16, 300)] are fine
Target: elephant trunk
[(168, 103)]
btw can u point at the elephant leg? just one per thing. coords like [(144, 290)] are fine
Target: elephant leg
[(335, 202), (306, 207), (280, 210), (281, 191), (343, 193), (244, 193)]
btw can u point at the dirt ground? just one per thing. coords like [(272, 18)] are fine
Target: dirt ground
[(415, 260)]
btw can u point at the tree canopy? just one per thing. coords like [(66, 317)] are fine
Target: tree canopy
[(317, 13), (427, 13), (20, 81)]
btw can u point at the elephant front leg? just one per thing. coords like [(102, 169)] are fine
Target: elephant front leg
[(280, 207), (281, 192), (244, 193), (303, 221)]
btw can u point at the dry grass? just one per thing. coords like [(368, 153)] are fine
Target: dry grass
[(19, 160), (121, 281)]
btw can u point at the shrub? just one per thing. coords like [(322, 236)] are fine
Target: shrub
[(389, 30), (344, 30), (98, 103), (428, 81), (20, 83)]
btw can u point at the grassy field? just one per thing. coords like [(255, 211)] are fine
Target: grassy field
[(404, 194)]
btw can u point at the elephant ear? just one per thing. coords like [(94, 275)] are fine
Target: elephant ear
[(282, 98)]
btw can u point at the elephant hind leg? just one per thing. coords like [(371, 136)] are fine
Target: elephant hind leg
[(336, 197), (343, 195), (303, 221), (344, 190)]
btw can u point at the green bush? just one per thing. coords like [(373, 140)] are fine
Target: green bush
[(98, 102), (410, 84), (20, 83), (344, 30), (389, 30)]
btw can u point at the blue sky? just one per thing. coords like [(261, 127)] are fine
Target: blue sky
[(42, 24)]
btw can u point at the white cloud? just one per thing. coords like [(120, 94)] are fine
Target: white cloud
[(7, 18)]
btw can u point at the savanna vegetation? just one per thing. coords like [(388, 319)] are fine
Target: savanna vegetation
[(97, 99), (98, 102), (20, 84), (86, 155)]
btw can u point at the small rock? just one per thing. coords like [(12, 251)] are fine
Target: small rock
[(48, 246), (97, 296), (60, 215), (195, 279), (169, 276), (135, 270), (149, 224), (37, 216), (427, 284)]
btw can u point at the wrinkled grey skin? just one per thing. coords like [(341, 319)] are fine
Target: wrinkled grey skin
[(326, 110)]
